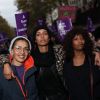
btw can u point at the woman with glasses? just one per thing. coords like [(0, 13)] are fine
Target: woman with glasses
[(22, 86)]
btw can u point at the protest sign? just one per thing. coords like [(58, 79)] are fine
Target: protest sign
[(21, 23)]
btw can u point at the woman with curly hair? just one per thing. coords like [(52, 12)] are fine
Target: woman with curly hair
[(80, 73)]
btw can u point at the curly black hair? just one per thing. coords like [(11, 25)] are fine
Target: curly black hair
[(88, 47)]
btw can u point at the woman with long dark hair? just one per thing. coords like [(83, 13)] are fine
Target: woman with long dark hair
[(81, 75)]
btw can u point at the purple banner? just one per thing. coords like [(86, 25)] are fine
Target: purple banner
[(3, 37), (22, 23), (90, 26), (63, 25), (41, 22)]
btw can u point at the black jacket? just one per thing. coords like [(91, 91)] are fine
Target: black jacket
[(50, 83), (83, 81)]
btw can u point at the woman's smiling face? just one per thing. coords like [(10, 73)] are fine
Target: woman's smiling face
[(20, 52)]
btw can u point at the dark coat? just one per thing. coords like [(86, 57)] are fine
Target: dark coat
[(84, 81), (49, 78), (14, 89)]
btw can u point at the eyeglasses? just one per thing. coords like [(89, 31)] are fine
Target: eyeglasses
[(20, 49)]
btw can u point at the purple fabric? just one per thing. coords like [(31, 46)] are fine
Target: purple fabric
[(3, 37), (20, 71), (41, 22), (90, 26)]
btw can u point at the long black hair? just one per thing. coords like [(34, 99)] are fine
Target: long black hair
[(88, 46)]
